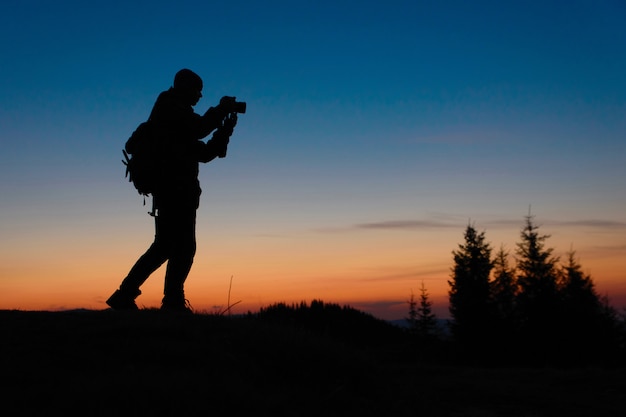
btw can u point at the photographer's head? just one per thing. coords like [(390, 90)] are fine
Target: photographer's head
[(188, 85)]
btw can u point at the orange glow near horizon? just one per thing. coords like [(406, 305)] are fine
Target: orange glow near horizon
[(349, 270)]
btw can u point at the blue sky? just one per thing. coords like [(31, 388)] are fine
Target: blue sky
[(407, 117)]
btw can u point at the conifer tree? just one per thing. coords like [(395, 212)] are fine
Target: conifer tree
[(580, 300), (588, 323), (504, 290), (469, 293), (426, 319), (537, 270), (412, 318), (538, 302)]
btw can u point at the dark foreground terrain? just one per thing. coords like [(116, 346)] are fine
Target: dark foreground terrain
[(105, 363)]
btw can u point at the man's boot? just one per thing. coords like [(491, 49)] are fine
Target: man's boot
[(123, 299), (176, 303)]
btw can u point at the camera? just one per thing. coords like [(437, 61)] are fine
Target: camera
[(240, 106), (232, 105)]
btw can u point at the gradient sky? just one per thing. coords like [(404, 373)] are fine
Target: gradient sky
[(375, 132)]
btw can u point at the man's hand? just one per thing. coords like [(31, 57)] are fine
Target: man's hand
[(221, 137), (230, 121)]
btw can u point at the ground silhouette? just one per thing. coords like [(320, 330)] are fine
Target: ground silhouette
[(150, 363)]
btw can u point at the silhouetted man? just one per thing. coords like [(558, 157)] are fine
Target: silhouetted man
[(177, 196)]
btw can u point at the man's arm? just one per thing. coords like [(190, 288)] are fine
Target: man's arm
[(218, 144), (213, 118)]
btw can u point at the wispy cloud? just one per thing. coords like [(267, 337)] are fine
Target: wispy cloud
[(594, 223), (434, 220), (394, 274), (506, 223), (587, 223), (391, 274), (455, 221), (399, 224), (406, 224), (605, 250)]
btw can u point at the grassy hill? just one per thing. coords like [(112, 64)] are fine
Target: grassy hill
[(147, 363)]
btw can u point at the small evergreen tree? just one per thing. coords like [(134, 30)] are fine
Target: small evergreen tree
[(426, 319), (469, 293)]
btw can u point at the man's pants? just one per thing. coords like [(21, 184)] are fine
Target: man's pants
[(175, 242)]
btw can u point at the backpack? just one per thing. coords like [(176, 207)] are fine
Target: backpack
[(144, 165)]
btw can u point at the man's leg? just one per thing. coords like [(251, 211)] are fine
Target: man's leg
[(182, 247), (155, 256)]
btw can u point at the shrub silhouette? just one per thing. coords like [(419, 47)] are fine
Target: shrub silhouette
[(343, 323)]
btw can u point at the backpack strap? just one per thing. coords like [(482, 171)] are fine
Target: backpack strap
[(153, 212), (125, 162)]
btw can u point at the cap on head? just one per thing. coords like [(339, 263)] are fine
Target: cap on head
[(187, 80)]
